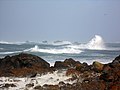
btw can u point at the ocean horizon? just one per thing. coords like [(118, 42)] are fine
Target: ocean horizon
[(94, 50)]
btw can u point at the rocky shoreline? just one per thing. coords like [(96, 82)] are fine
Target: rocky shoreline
[(97, 76)]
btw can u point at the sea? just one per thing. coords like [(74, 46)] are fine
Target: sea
[(94, 50)]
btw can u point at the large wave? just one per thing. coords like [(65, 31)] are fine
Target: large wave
[(96, 43), (55, 51)]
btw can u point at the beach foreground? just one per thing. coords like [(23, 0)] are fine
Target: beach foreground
[(30, 72)]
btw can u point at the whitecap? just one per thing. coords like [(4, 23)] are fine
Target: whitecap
[(55, 51), (96, 43)]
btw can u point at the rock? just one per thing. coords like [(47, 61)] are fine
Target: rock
[(23, 65), (23, 60), (33, 75), (60, 65), (68, 63), (93, 85), (7, 85), (51, 87), (61, 84), (115, 86), (111, 75), (72, 72), (117, 59), (38, 87), (30, 85), (97, 66), (83, 67)]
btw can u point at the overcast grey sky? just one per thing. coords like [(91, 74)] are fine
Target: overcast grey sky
[(72, 20)]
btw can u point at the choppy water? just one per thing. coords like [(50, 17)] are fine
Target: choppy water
[(95, 49)]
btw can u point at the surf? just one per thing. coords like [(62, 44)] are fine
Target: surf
[(54, 50), (96, 43)]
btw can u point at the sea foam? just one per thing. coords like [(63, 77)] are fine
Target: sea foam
[(96, 43), (50, 79), (55, 51)]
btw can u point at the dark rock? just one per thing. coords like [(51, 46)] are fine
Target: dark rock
[(61, 84), (111, 75), (97, 66), (23, 65), (33, 75), (38, 88), (60, 65), (51, 87), (72, 72), (83, 67), (30, 85), (116, 62), (9, 85), (68, 63)]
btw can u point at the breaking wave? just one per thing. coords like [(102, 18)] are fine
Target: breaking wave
[(55, 51), (96, 43)]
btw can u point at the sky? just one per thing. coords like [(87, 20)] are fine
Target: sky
[(71, 20)]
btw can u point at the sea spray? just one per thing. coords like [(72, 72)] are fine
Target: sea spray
[(55, 51), (96, 43)]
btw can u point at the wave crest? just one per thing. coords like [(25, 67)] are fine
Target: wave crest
[(55, 51), (96, 43)]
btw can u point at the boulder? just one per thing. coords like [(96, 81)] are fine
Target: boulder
[(38, 87), (68, 63), (83, 67), (97, 66), (23, 65), (72, 72)]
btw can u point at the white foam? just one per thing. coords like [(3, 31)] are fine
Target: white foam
[(55, 51), (96, 43), (50, 79)]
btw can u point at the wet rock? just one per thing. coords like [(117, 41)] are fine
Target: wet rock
[(7, 85), (30, 85), (68, 63), (97, 66), (38, 87), (116, 60), (23, 65), (60, 65), (115, 86), (72, 72), (61, 84), (83, 67), (51, 87), (93, 85)]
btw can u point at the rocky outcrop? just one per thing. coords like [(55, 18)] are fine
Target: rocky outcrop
[(97, 76), (111, 74), (23, 65), (97, 66), (68, 63)]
